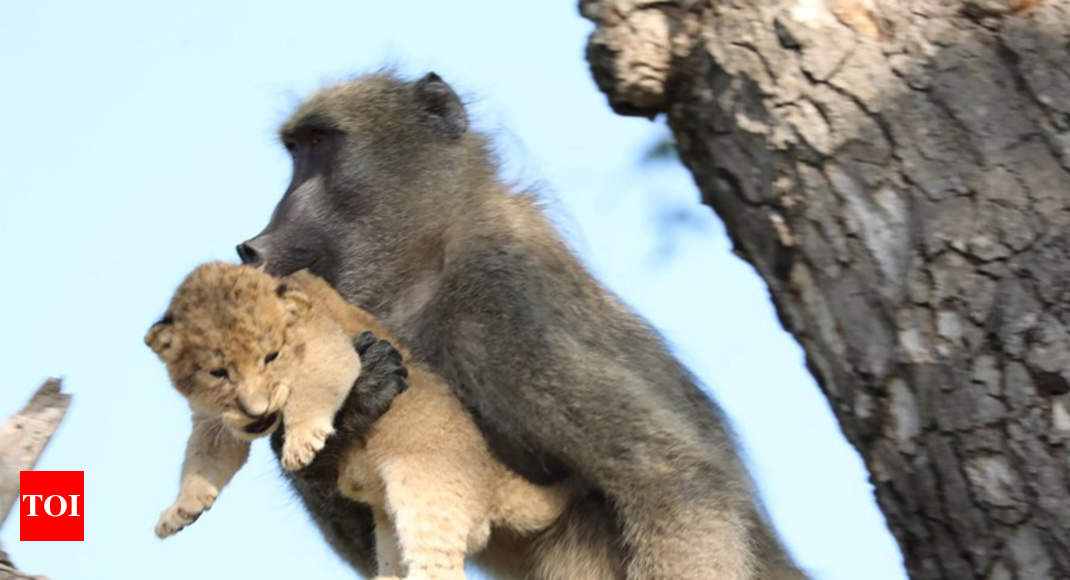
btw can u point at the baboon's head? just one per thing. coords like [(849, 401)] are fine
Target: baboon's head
[(227, 342), (379, 164)]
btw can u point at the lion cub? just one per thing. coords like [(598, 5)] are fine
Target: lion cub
[(248, 351)]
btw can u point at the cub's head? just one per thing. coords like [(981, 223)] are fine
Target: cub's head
[(229, 341)]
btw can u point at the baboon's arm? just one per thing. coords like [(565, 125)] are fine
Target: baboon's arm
[(562, 380)]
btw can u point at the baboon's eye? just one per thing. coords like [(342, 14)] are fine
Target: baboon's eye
[(219, 373), (315, 139), (271, 357)]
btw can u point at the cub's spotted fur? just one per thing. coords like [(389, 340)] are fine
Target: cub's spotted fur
[(248, 351)]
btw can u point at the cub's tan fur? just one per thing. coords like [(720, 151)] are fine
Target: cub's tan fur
[(434, 488), (245, 350), (425, 469)]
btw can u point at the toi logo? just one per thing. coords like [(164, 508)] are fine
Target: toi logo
[(51, 506)]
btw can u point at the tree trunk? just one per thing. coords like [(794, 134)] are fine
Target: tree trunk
[(899, 174)]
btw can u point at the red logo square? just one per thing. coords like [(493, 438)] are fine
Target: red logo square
[(51, 506)]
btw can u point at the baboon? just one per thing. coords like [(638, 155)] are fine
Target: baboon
[(398, 205)]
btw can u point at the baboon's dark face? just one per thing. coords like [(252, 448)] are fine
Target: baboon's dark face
[(304, 223), (374, 163)]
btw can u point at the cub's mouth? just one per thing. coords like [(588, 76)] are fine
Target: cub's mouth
[(261, 425)]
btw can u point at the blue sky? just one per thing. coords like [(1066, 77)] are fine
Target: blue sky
[(139, 142)]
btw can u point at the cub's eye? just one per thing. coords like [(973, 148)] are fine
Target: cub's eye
[(219, 373), (315, 139), (271, 357)]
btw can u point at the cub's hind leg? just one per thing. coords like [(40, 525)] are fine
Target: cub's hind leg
[(525, 507), (433, 516), (387, 552)]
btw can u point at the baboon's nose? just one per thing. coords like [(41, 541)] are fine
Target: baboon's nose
[(248, 254)]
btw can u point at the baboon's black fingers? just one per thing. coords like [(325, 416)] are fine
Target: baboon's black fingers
[(382, 377), (383, 349), (362, 342)]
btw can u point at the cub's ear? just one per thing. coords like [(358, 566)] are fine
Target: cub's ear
[(297, 303), (163, 339), (441, 105)]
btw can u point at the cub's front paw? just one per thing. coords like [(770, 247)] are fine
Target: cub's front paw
[(302, 443), (184, 512)]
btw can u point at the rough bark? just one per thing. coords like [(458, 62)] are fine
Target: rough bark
[(23, 438), (899, 174)]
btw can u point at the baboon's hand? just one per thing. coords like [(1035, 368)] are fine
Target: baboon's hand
[(382, 377), (302, 442), (193, 500)]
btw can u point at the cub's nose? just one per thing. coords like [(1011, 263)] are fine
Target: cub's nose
[(249, 255), (253, 409)]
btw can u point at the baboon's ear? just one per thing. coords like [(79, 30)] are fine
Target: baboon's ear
[(163, 339), (297, 303), (442, 105)]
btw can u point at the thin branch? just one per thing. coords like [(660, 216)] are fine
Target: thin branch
[(23, 438)]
